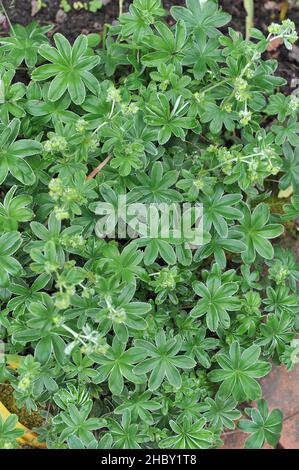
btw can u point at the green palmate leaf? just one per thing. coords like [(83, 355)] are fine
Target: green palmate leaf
[(284, 267), (169, 120), (277, 332), (257, 232), (238, 373), (221, 412), (188, 435), (71, 67), (11, 97), (139, 405), (125, 265), (217, 247), (157, 248), (219, 118), (125, 434), (104, 443), (280, 300), (142, 13), (132, 158), (216, 300), (156, 187), (42, 325), (113, 56), (164, 361), (117, 364), (263, 426), (123, 315), (218, 208), (8, 432), (57, 110), (198, 346), (24, 42), (288, 133), (204, 56), (14, 210), (13, 152), (9, 266), (290, 168), (24, 295), (202, 18), (279, 104), (76, 422), (169, 47)]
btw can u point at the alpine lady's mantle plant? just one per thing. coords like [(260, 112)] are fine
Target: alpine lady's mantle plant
[(145, 343)]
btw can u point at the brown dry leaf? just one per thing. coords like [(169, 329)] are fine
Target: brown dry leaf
[(271, 6), (286, 193), (274, 44), (35, 7), (60, 17)]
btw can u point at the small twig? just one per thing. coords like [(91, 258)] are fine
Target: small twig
[(98, 168), (7, 17), (291, 416)]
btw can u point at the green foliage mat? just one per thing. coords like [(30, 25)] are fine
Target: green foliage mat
[(128, 343)]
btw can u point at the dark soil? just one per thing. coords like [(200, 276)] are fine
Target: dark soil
[(30, 420), (77, 21), (82, 21)]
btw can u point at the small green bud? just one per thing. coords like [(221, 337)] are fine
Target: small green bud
[(56, 188), (113, 94), (117, 315), (199, 96), (199, 183), (294, 103), (131, 108), (80, 125), (61, 213), (56, 144), (62, 300), (25, 383), (245, 117)]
